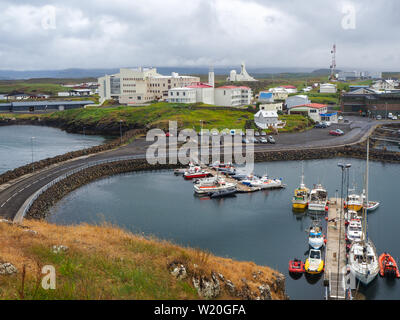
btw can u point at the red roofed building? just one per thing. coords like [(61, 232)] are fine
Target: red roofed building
[(289, 89), (313, 110)]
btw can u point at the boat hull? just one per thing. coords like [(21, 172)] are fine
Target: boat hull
[(317, 207), (299, 206), (354, 207)]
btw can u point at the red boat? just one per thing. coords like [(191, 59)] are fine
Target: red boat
[(388, 266), (196, 175), (296, 266)]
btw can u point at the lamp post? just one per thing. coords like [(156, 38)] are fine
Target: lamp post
[(33, 164), (343, 167)]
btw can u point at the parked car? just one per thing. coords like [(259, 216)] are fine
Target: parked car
[(263, 140), (245, 140), (271, 140), (378, 117), (340, 118), (257, 134), (328, 123), (394, 118), (253, 140), (263, 133), (320, 126), (336, 132)]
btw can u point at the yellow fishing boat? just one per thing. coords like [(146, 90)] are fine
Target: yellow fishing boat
[(355, 202), (301, 195)]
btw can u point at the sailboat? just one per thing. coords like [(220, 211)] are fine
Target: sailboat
[(363, 259), (301, 195)]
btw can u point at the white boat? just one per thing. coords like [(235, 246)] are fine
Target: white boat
[(208, 186), (363, 259), (267, 183), (372, 205), (315, 237), (354, 230), (354, 202), (318, 198), (351, 214), (314, 263)]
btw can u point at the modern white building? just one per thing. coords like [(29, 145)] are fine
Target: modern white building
[(265, 119), (297, 101), (313, 110), (204, 92), (266, 97), (232, 96), (141, 85), (182, 95), (243, 76), (327, 88)]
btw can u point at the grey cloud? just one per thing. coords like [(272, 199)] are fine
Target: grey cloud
[(265, 33)]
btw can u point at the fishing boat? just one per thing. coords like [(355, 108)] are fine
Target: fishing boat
[(354, 230), (195, 175), (363, 259), (266, 183), (388, 266), (315, 237), (314, 263), (372, 205), (296, 266), (301, 194), (211, 187), (355, 202), (350, 215), (318, 199)]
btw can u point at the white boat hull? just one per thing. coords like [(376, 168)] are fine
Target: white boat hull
[(317, 207), (316, 243), (363, 277), (208, 189)]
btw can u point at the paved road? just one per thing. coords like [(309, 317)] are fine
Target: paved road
[(13, 196)]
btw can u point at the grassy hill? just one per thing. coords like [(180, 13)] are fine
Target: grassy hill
[(104, 262)]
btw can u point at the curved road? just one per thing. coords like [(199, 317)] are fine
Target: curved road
[(14, 194)]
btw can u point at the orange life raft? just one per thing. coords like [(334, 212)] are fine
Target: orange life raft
[(388, 266)]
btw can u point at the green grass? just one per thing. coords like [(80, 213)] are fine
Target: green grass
[(31, 88)]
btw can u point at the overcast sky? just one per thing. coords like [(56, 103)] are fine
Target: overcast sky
[(62, 34)]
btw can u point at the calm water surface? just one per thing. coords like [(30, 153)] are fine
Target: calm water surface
[(16, 144), (260, 227)]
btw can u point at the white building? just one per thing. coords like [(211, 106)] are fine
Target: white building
[(313, 110), (63, 94), (279, 93), (327, 88), (243, 76), (204, 92), (289, 89), (265, 119), (182, 95), (232, 96), (385, 85), (296, 101), (80, 92), (140, 85), (272, 106)]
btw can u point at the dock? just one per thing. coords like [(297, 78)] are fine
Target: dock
[(241, 188), (335, 255)]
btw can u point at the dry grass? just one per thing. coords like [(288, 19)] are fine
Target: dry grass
[(105, 262)]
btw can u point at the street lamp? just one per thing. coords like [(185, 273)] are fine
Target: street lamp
[(33, 164), (343, 167)]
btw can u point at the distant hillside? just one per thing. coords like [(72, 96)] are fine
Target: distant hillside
[(77, 73)]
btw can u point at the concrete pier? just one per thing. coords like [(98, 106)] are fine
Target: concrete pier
[(335, 253)]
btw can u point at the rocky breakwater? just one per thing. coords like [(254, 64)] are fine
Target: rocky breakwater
[(45, 201), (18, 172), (358, 151)]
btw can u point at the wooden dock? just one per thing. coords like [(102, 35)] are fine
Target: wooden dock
[(241, 188), (335, 255)]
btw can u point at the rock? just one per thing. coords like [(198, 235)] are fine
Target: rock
[(265, 292), (32, 232), (7, 269), (207, 288), (230, 287), (179, 272), (279, 283), (221, 277), (245, 292), (60, 248)]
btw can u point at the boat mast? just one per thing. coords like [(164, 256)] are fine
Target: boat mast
[(302, 174), (365, 207)]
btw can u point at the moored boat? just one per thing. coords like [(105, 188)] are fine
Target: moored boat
[(301, 195), (318, 199), (354, 230), (296, 266), (314, 263), (229, 192), (315, 237), (211, 187), (355, 202), (388, 266)]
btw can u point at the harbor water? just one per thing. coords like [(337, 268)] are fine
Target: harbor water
[(17, 145), (259, 227)]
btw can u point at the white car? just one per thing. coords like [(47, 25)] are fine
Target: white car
[(340, 118), (328, 123), (394, 118)]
